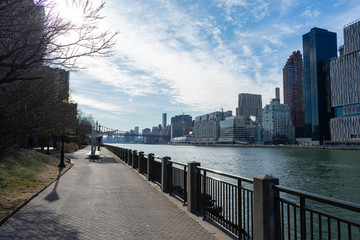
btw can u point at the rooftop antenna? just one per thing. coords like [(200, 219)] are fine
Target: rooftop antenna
[(181, 109)]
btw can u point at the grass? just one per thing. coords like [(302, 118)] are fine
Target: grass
[(23, 173)]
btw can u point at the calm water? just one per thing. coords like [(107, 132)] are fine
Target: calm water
[(333, 173)]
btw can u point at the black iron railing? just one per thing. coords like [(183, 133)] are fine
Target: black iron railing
[(156, 170), (235, 203), (143, 161), (229, 205), (312, 216), (178, 186), (135, 163)]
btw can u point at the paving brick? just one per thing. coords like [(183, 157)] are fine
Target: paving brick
[(101, 200)]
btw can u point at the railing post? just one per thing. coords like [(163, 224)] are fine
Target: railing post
[(141, 156), (203, 199), (239, 210), (185, 186), (129, 157), (134, 156), (164, 174), (149, 166), (265, 214), (194, 187), (303, 219)]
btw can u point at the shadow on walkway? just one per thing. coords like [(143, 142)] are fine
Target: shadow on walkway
[(38, 224), (103, 160), (53, 196)]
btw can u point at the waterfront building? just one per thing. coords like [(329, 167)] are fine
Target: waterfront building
[(237, 129), (164, 121), (233, 130), (249, 105), (277, 126), (181, 125), (345, 88), (319, 46), (293, 92), (207, 127)]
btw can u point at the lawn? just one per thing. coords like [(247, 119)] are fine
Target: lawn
[(23, 173)]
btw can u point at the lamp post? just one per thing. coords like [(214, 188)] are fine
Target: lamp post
[(48, 145), (62, 162), (99, 138)]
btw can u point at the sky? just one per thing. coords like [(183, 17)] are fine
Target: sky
[(195, 57)]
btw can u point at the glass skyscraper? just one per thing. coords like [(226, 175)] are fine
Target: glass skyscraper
[(345, 87), (319, 46)]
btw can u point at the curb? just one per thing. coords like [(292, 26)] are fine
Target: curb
[(2, 221)]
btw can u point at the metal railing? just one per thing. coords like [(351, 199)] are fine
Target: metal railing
[(156, 170), (229, 205), (143, 163), (313, 216), (178, 180), (235, 203)]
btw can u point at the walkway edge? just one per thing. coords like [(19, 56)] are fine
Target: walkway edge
[(31, 198)]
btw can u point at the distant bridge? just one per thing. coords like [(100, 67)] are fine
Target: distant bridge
[(117, 132)]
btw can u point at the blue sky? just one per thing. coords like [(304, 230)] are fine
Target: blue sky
[(195, 57)]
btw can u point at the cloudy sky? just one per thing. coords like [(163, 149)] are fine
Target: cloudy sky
[(195, 57)]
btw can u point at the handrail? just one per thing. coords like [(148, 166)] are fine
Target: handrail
[(226, 174), (317, 197), (181, 164)]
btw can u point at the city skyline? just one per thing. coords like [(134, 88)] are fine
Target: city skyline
[(194, 59)]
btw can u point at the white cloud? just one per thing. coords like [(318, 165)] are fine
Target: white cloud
[(97, 104), (311, 13), (169, 52)]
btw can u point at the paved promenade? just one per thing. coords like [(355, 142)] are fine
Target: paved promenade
[(104, 199)]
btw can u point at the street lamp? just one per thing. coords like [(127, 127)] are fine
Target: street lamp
[(62, 162), (99, 138)]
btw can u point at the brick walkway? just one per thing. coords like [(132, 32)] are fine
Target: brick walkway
[(102, 200)]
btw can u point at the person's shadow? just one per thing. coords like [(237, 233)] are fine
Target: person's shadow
[(53, 196)]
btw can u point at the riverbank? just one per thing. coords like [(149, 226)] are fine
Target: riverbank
[(266, 146)]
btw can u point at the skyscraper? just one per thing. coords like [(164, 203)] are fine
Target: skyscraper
[(293, 91), (250, 105), (345, 88), (164, 120), (319, 46)]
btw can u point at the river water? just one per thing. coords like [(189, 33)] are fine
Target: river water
[(332, 173)]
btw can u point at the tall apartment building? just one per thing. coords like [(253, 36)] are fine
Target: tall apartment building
[(22, 38), (180, 125), (293, 91), (319, 46), (277, 126), (250, 105), (345, 87)]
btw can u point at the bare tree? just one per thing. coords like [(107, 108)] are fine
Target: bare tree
[(85, 125), (35, 108), (32, 34)]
